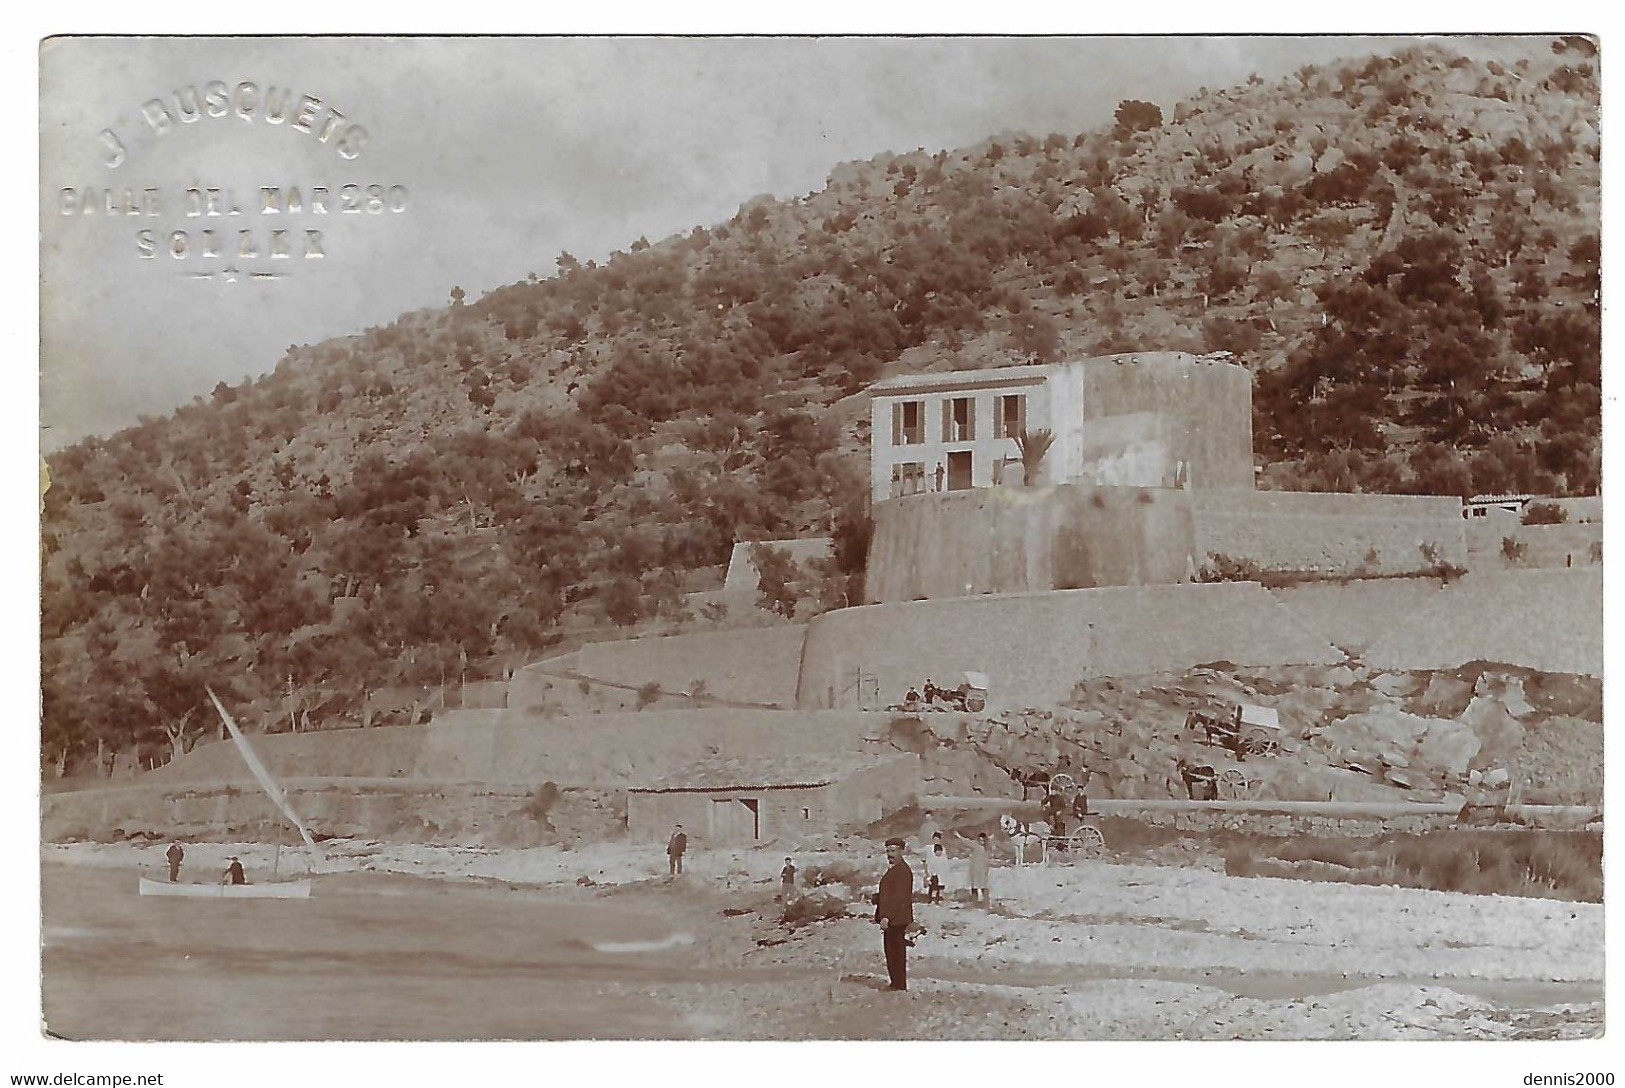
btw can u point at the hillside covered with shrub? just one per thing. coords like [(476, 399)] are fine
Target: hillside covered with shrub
[(1404, 249)]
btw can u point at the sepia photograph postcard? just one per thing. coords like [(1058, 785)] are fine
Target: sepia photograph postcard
[(794, 538)]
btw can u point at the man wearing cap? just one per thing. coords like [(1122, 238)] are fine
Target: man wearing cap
[(894, 913), (676, 847)]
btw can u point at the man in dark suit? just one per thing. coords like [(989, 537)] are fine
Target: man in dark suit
[(894, 912)]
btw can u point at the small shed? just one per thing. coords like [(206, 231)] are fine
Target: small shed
[(740, 801), (1495, 506)]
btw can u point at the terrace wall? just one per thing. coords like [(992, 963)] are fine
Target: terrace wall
[(1330, 534), (1036, 646)]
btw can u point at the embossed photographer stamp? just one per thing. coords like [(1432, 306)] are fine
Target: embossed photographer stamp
[(205, 202), (262, 231)]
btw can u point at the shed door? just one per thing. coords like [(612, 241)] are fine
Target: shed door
[(735, 819)]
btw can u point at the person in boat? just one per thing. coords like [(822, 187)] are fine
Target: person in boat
[(174, 855), (234, 873)]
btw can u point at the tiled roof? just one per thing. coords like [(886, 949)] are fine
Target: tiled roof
[(956, 378), (781, 773)]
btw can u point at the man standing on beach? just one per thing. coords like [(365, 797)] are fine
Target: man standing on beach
[(675, 847), (174, 855), (894, 913)]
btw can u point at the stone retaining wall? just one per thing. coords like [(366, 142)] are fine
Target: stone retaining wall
[(756, 665), (1541, 619), (1331, 534), (512, 748), (1035, 647), (385, 811), (1021, 540)]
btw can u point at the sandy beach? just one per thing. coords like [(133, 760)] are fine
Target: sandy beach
[(422, 942)]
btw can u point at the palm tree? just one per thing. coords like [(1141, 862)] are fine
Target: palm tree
[(1033, 445)]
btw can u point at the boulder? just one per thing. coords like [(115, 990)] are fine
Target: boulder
[(1405, 780), (1445, 696), (1365, 764), (1499, 732), (1396, 685), (1448, 747), (1339, 676), (1389, 728), (1508, 690), (1357, 700)]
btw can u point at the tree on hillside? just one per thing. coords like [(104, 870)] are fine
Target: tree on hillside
[(1134, 116), (1036, 335), (778, 576)]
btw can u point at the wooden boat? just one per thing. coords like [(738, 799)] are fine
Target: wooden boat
[(276, 889), (273, 889)]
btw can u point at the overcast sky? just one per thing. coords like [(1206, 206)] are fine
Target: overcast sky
[(510, 150)]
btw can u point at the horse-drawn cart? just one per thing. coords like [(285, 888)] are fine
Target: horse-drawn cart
[(1068, 832), (1244, 729)]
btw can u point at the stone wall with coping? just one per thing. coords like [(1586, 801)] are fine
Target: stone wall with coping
[(1330, 534), (1022, 540), (1036, 646)]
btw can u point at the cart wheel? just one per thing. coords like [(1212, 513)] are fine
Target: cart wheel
[(1233, 784), (976, 704), (1088, 842), (1257, 743)]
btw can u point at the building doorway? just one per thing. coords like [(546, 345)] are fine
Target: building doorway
[(735, 819), (959, 471)]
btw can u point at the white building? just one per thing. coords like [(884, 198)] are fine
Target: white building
[(1148, 419)]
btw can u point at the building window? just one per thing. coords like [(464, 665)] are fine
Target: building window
[(908, 423), (959, 420), (806, 814), (1011, 418)]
